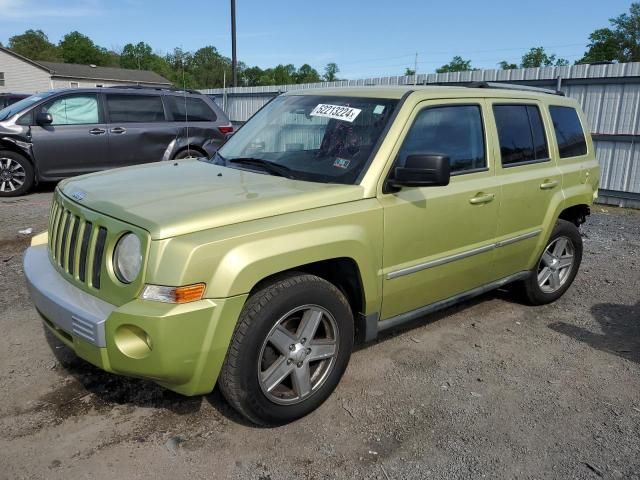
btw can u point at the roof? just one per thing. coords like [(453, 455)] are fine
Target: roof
[(74, 70), (429, 92)]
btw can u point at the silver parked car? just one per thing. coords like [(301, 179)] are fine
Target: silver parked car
[(61, 133)]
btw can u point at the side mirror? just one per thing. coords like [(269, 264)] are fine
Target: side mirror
[(43, 118), (430, 170)]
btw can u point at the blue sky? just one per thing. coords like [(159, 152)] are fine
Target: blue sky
[(365, 38)]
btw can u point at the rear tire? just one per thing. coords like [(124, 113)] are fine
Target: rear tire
[(188, 153), (557, 267), (289, 349), (16, 174)]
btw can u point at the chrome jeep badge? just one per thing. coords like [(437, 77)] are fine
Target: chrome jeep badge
[(78, 195)]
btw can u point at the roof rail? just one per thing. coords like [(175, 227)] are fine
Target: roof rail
[(513, 86), (142, 87)]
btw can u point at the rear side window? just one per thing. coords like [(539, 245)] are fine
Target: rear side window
[(454, 131), (73, 110), (521, 134), (191, 109), (569, 133), (135, 108)]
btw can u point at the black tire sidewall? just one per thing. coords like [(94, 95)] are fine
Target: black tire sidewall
[(319, 293), (534, 293), (187, 153), (28, 169)]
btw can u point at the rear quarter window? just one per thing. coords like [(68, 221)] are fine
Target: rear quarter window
[(191, 109), (569, 133)]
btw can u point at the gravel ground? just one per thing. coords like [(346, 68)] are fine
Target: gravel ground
[(488, 389)]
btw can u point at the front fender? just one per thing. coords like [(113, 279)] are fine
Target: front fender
[(233, 259)]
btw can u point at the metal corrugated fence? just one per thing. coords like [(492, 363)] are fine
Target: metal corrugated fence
[(609, 95)]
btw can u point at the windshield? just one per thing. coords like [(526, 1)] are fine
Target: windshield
[(17, 107), (317, 138)]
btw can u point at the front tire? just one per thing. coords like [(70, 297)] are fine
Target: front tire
[(16, 174), (557, 267), (289, 350)]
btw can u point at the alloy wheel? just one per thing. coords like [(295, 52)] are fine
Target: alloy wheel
[(555, 265), (298, 354), (12, 175)]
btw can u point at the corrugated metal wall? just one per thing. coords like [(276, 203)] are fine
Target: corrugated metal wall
[(609, 95)]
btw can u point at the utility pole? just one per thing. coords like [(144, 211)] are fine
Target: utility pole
[(234, 59), (415, 70)]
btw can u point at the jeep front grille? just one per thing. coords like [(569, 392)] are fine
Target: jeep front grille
[(76, 245)]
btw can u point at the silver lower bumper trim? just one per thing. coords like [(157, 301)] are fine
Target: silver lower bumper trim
[(62, 303)]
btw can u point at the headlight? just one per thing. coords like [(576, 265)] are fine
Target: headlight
[(127, 258)]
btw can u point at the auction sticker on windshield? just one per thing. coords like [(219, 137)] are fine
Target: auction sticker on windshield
[(337, 112)]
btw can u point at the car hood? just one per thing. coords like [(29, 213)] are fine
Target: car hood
[(174, 198)]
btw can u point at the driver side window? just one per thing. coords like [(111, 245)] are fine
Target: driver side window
[(455, 131)]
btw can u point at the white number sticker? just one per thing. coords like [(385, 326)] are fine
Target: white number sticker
[(337, 112)]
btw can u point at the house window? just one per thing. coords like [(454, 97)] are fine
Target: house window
[(74, 84), (1, 79)]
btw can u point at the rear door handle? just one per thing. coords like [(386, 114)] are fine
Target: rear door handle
[(97, 131), (482, 198), (548, 184), (118, 130)]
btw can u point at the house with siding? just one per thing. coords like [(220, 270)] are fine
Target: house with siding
[(22, 75)]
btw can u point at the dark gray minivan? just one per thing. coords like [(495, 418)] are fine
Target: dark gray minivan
[(61, 133)]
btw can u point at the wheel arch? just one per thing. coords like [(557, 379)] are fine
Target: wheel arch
[(576, 214), (183, 148), (19, 147), (343, 273)]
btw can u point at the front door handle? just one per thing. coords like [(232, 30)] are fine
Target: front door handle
[(548, 184), (97, 131), (118, 130), (481, 198)]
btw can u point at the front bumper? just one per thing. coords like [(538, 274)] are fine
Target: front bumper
[(187, 343)]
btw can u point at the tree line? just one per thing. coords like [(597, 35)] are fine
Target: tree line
[(204, 68), (208, 68), (620, 42)]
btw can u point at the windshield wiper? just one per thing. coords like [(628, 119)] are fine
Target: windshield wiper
[(271, 167)]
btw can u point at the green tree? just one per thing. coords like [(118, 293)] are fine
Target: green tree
[(78, 48), (179, 63), (139, 56), (504, 65), (330, 72), (208, 68), (307, 74), (35, 45), (537, 57), (251, 76), (409, 71), (281, 75), (619, 43), (457, 64)]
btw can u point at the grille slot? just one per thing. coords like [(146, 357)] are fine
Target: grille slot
[(97, 257), (84, 251), (63, 241), (74, 242)]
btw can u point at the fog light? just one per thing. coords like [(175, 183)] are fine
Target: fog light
[(132, 341)]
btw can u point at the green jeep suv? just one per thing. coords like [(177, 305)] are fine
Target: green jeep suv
[(331, 216)]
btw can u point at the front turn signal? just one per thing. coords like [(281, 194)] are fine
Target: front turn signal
[(185, 294)]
